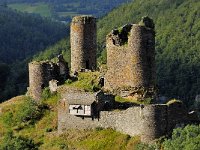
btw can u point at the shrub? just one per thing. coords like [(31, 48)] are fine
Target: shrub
[(46, 93), (187, 138), (142, 146), (27, 112), (11, 142), (68, 81)]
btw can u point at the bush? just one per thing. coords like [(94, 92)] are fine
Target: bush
[(11, 142), (27, 112), (30, 111), (187, 138), (142, 146), (46, 93)]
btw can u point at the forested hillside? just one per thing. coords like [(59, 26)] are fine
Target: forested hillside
[(25, 124), (64, 10), (177, 42), (21, 36)]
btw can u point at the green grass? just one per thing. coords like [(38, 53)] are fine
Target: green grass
[(120, 99), (38, 8), (44, 132), (86, 80), (172, 101)]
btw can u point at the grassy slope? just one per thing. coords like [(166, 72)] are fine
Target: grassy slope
[(43, 132), (38, 8)]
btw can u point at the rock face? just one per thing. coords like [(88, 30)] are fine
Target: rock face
[(131, 60), (83, 43)]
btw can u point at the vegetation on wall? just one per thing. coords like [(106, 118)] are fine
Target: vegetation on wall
[(89, 81), (177, 42)]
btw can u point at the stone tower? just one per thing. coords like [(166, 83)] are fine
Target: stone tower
[(131, 60), (83, 43), (40, 73)]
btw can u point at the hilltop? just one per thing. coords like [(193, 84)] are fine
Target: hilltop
[(177, 42), (27, 124), (38, 129)]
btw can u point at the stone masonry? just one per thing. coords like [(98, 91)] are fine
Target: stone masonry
[(130, 73), (149, 122), (40, 73), (83, 43), (131, 60)]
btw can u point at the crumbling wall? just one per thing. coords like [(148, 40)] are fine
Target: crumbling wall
[(177, 115), (149, 122), (83, 43), (154, 122), (40, 73), (131, 63)]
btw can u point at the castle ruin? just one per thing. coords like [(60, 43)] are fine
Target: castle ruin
[(130, 73), (83, 43), (131, 60), (41, 73)]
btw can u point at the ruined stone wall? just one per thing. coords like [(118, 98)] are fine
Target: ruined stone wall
[(153, 122), (131, 63), (150, 122), (83, 43), (177, 115), (40, 73), (118, 65)]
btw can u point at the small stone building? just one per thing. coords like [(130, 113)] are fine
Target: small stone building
[(86, 104), (80, 108)]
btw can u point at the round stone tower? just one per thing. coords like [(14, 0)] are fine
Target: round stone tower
[(83, 43), (142, 47), (131, 60), (40, 73), (153, 122), (36, 80)]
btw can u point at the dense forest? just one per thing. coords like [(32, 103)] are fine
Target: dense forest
[(177, 42), (25, 124), (21, 36), (64, 10)]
